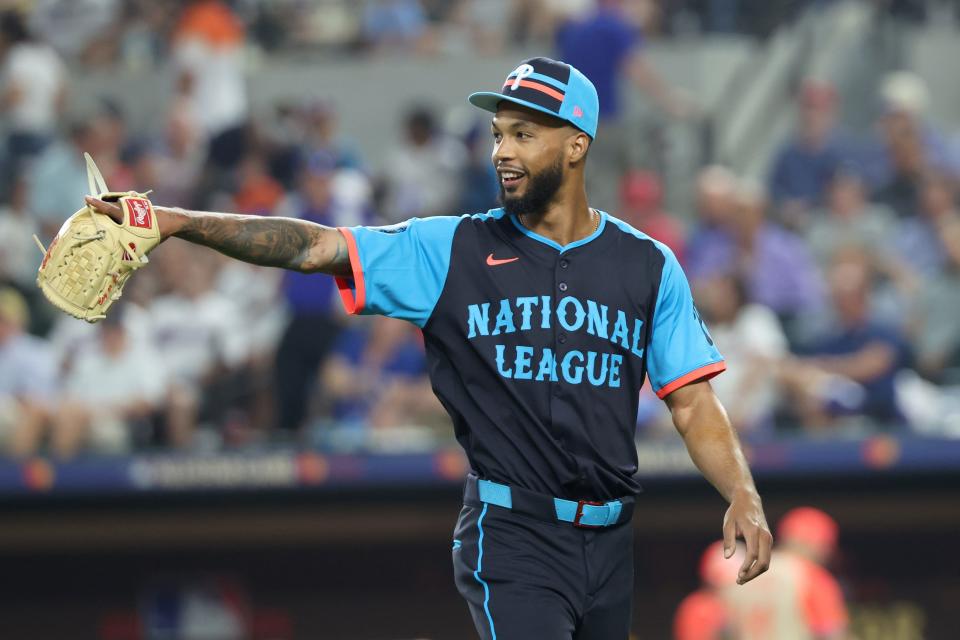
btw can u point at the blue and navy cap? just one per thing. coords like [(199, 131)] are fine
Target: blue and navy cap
[(549, 86)]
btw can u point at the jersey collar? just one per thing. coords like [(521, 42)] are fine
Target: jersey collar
[(562, 247)]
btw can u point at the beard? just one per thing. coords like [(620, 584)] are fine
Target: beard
[(541, 189)]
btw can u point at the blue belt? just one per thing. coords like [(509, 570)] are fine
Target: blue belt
[(582, 513)]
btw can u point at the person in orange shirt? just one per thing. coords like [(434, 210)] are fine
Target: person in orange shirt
[(207, 56), (702, 615), (797, 599)]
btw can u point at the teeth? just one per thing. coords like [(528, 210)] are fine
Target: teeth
[(509, 175)]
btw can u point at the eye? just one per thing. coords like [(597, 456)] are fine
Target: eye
[(496, 135), (523, 135)]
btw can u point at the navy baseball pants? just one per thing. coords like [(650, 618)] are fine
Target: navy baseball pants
[(527, 576)]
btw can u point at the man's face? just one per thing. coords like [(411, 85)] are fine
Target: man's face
[(850, 289), (817, 120), (528, 155)]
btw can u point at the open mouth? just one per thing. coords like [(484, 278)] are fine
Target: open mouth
[(511, 179)]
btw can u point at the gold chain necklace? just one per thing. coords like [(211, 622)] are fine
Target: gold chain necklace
[(593, 213)]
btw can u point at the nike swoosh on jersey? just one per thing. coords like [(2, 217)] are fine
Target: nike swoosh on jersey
[(491, 261)]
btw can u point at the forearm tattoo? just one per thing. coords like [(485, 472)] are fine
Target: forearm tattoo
[(273, 242)]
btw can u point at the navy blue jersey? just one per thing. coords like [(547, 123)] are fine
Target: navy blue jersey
[(538, 351)]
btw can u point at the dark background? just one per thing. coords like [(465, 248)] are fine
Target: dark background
[(375, 565)]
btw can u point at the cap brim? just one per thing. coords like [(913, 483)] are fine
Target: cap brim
[(489, 101)]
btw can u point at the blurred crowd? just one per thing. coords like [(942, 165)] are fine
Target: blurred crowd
[(832, 286), (138, 34)]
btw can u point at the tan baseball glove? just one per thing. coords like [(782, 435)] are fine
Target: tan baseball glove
[(87, 264)]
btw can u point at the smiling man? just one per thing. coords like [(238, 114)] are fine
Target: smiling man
[(541, 321)]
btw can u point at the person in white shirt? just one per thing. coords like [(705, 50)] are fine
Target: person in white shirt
[(751, 337), (113, 383), (207, 56), (32, 91), (422, 174), (201, 334)]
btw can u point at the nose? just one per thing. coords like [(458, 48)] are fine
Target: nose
[(502, 151)]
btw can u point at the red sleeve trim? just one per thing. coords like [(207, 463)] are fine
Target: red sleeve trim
[(353, 293), (703, 373)]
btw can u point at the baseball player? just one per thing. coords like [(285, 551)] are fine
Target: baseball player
[(541, 321)]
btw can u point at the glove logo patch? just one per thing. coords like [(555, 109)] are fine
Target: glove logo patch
[(139, 213)]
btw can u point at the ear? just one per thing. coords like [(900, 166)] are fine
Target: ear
[(577, 146)]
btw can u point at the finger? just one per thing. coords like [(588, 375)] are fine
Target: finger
[(750, 535), (106, 208), (765, 543), (729, 538)]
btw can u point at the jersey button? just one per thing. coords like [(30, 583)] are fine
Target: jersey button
[(564, 264), (557, 391), (562, 286), (561, 338)]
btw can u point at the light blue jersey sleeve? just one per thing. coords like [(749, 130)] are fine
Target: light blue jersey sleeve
[(680, 350), (398, 270)]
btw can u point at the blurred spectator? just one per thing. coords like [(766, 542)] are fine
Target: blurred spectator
[(918, 239), (752, 341), (19, 258), (797, 597), (173, 167), (321, 134), (32, 91), (852, 224), (58, 180), (848, 219), (74, 27), (298, 132), (203, 354), (806, 163), (395, 25), (907, 165), (936, 330), (145, 26), (609, 49), (376, 376), (703, 614), (27, 378), (315, 320), (478, 27), (258, 193), (208, 46), (480, 186), (850, 370), (113, 151), (716, 205), (114, 384), (776, 264), (256, 293), (422, 175), (809, 533), (910, 144), (641, 205)]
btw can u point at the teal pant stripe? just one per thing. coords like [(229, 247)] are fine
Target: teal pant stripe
[(476, 574)]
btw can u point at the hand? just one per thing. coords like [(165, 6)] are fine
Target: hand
[(745, 518), (115, 213)]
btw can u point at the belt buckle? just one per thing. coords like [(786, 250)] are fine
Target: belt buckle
[(580, 505)]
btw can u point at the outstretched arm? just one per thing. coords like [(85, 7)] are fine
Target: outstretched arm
[(287, 243), (715, 449)]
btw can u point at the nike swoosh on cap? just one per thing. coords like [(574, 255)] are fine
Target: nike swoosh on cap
[(491, 261)]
